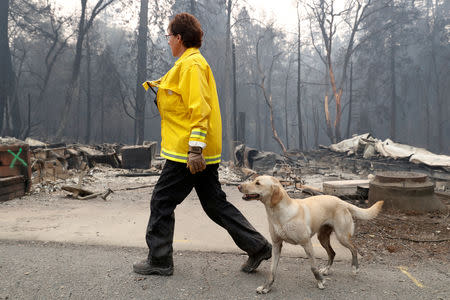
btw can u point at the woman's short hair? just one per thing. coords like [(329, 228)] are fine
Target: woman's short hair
[(189, 28)]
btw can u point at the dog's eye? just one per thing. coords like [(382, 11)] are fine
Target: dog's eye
[(257, 183)]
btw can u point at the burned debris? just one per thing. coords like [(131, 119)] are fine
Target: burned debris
[(352, 169), (48, 167)]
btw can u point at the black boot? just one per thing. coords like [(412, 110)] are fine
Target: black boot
[(146, 267), (255, 260)]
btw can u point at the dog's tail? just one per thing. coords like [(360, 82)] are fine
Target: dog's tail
[(365, 213)]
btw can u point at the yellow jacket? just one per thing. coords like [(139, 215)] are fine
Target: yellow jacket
[(189, 108)]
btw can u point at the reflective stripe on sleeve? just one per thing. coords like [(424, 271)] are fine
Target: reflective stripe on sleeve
[(198, 134)]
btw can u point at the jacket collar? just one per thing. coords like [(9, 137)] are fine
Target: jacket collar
[(188, 52)]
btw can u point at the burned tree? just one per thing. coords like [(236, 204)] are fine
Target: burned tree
[(6, 73), (299, 91), (328, 20), (266, 89), (141, 73)]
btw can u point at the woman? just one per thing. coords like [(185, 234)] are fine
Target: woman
[(191, 132)]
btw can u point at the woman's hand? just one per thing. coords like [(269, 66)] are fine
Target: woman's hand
[(196, 162)]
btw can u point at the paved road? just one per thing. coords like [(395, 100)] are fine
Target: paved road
[(122, 220), (37, 270), (52, 247)]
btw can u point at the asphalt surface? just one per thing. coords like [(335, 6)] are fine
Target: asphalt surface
[(122, 221), (53, 247), (49, 270)]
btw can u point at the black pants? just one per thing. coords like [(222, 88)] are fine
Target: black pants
[(173, 186)]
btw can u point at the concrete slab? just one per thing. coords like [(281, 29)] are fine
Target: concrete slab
[(343, 187), (122, 220)]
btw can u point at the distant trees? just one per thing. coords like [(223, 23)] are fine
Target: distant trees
[(398, 82), (82, 71), (40, 21), (329, 18), (437, 35), (84, 24)]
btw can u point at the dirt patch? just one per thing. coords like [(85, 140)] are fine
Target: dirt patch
[(404, 236)]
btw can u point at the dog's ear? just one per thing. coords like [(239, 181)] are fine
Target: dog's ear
[(276, 195)]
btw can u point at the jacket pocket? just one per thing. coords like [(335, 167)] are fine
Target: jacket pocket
[(171, 101)]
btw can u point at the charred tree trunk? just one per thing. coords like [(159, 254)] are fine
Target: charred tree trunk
[(337, 99), (316, 126), (268, 94), (28, 130), (437, 86), (14, 112), (88, 92), (267, 140), (257, 119), (350, 102), (6, 73), (329, 131), (78, 124), (393, 91), (227, 86), (74, 81), (427, 114), (16, 118), (299, 93), (286, 83), (102, 116), (305, 127), (141, 72), (235, 127)]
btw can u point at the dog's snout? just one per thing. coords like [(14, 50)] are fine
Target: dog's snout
[(240, 188)]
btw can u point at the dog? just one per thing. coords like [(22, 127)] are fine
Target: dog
[(296, 221)]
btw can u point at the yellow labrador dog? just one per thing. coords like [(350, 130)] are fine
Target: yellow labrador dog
[(295, 221)]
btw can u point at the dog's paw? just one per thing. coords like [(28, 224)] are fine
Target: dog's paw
[(325, 271), (355, 270), (262, 289), (320, 284)]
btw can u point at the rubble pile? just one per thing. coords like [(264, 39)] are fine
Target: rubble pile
[(301, 173), (367, 146), (354, 162), (53, 166)]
